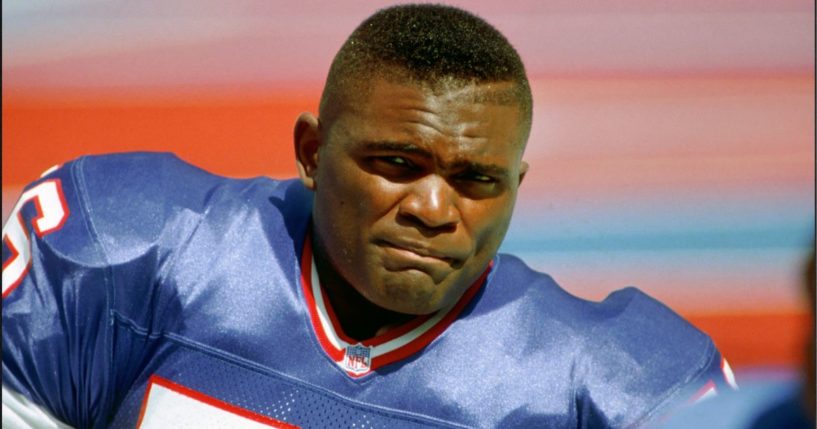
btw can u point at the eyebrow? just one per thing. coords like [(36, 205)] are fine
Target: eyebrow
[(397, 146), (489, 169), (411, 148)]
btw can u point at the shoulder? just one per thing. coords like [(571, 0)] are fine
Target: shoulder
[(139, 227), (152, 176), (629, 353), (128, 184), (136, 200), (151, 180), (124, 182), (761, 403), (116, 208), (640, 346), (624, 317)]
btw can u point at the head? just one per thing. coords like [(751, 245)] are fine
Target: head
[(416, 156)]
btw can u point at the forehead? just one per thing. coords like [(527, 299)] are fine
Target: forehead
[(453, 117)]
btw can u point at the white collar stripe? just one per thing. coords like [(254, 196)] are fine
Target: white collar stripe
[(331, 331), (409, 336), (323, 316), (336, 344)]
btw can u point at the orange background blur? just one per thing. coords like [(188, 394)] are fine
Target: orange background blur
[(672, 145)]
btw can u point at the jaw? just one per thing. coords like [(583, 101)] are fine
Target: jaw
[(408, 291), (413, 291)]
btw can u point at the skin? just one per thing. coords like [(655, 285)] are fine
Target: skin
[(413, 193)]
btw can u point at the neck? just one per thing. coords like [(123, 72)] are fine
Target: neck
[(359, 318)]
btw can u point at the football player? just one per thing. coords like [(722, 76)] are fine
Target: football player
[(139, 290)]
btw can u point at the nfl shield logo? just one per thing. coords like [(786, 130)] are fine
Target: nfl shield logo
[(357, 359)]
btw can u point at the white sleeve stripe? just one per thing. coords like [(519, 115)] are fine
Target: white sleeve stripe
[(728, 374), (20, 413)]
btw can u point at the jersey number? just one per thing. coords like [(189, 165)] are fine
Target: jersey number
[(169, 404), (52, 211)]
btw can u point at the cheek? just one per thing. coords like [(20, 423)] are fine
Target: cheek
[(488, 222), (351, 200), (370, 197)]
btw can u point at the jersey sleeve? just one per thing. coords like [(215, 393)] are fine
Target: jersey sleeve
[(711, 378), (84, 252), (56, 339), (714, 379), (643, 362)]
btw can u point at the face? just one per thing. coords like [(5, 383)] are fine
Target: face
[(414, 189)]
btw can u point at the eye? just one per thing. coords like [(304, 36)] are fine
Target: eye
[(477, 178), (392, 163), (392, 167), (396, 160), (474, 184)]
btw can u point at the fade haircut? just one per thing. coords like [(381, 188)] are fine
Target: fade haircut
[(427, 44)]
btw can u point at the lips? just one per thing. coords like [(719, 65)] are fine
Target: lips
[(418, 252)]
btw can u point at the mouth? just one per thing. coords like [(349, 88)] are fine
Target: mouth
[(416, 254)]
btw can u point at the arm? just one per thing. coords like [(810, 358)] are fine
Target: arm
[(85, 252), (55, 299), (643, 361), (715, 379)]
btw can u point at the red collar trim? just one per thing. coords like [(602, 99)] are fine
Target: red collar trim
[(358, 358)]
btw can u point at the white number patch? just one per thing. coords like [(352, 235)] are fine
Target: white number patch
[(171, 405), (52, 212)]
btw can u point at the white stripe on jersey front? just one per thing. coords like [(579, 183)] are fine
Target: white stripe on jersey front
[(409, 336), (21, 413)]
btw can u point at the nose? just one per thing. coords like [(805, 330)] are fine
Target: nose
[(431, 203)]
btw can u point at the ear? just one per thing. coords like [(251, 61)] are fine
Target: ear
[(523, 170), (307, 142)]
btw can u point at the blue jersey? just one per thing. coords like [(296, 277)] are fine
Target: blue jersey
[(139, 290)]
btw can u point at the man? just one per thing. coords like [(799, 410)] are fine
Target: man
[(367, 294)]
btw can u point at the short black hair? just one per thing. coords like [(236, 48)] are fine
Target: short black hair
[(425, 43)]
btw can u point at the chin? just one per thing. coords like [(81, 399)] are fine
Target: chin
[(413, 308), (411, 293)]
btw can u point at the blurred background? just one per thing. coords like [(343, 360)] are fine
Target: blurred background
[(672, 146)]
